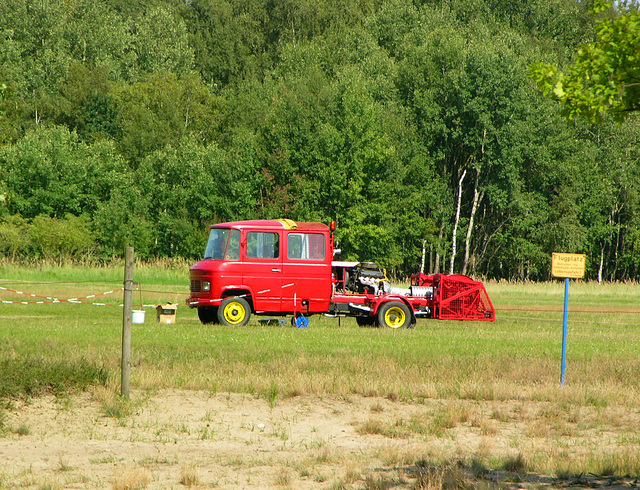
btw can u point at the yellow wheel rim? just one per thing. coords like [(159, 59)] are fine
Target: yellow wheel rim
[(234, 312), (394, 317)]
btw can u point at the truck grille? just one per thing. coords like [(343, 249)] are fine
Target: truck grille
[(196, 286)]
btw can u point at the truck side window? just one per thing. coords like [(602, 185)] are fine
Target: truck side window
[(233, 248), (263, 245), (305, 246)]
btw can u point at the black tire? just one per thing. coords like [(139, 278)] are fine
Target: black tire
[(208, 314), (234, 312), (394, 314), (366, 321)]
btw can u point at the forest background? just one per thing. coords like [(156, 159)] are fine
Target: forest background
[(409, 123)]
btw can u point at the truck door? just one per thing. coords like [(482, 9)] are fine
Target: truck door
[(306, 283), (262, 269)]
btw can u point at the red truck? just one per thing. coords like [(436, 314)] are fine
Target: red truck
[(282, 267)]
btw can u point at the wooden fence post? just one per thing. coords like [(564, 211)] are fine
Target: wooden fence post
[(126, 321)]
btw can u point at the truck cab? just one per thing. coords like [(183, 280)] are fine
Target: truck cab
[(275, 267)]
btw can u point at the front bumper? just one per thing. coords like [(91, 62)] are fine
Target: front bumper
[(195, 302)]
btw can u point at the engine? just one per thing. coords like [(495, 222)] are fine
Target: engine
[(368, 277), (364, 278)]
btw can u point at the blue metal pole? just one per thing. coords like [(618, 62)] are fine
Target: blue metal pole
[(564, 329)]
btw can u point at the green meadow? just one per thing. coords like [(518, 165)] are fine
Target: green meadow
[(518, 356)]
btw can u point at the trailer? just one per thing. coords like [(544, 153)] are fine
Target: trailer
[(287, 268)]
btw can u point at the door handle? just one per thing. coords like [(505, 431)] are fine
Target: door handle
[(276, 270)]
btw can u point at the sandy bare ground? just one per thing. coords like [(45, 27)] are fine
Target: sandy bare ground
[(175, 439)]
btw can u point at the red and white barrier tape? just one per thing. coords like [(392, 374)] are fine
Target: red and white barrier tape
[(52, 300)]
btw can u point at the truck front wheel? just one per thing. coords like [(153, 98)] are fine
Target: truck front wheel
[(208, 314), (234, 312), (366, 321), (394, 314)]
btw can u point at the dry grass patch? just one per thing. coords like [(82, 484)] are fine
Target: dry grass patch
[(538, 429), (189, 476), (485, 447), (515, 464), (325, 455), (52, 484), (63, 464), (450, 415), (488, 427), (392, 454), (372, 427), (501, 415), (379, 482), (350, 474), (447, 416), (131, 479), (21, 430), (429, 477), (622, 461), (112, 404), (377, 408), (284, 478)]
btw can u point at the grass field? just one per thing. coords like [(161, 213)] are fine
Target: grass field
[(498, 369)]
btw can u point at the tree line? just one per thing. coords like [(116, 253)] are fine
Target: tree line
[(416, 125)]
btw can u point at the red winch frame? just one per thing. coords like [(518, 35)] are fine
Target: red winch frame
[(457, 297)]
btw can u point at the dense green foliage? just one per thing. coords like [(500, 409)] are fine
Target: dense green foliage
[(413, 124), (606, 74)]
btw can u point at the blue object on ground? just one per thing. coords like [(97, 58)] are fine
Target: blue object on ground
[(301, 322)]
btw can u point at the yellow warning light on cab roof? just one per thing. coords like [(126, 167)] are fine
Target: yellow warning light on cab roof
[(289, 224)]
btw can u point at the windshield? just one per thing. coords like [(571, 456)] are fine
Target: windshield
[(223, 243), (217, 243)]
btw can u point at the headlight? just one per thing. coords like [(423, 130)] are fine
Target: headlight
[(206, 286)]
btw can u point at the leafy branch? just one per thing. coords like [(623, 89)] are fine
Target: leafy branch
[(605, 76)]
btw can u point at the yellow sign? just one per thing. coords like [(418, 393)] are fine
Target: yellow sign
[(568, 265)]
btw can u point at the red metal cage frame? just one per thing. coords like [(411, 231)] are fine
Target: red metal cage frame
[(457, 297)]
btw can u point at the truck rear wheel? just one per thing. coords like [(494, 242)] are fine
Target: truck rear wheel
[(394, 314), (208, 314), (234, 312)]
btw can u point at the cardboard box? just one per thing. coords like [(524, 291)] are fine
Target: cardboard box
[(166, 313)]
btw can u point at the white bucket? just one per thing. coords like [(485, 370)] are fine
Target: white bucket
[(137, 316)]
